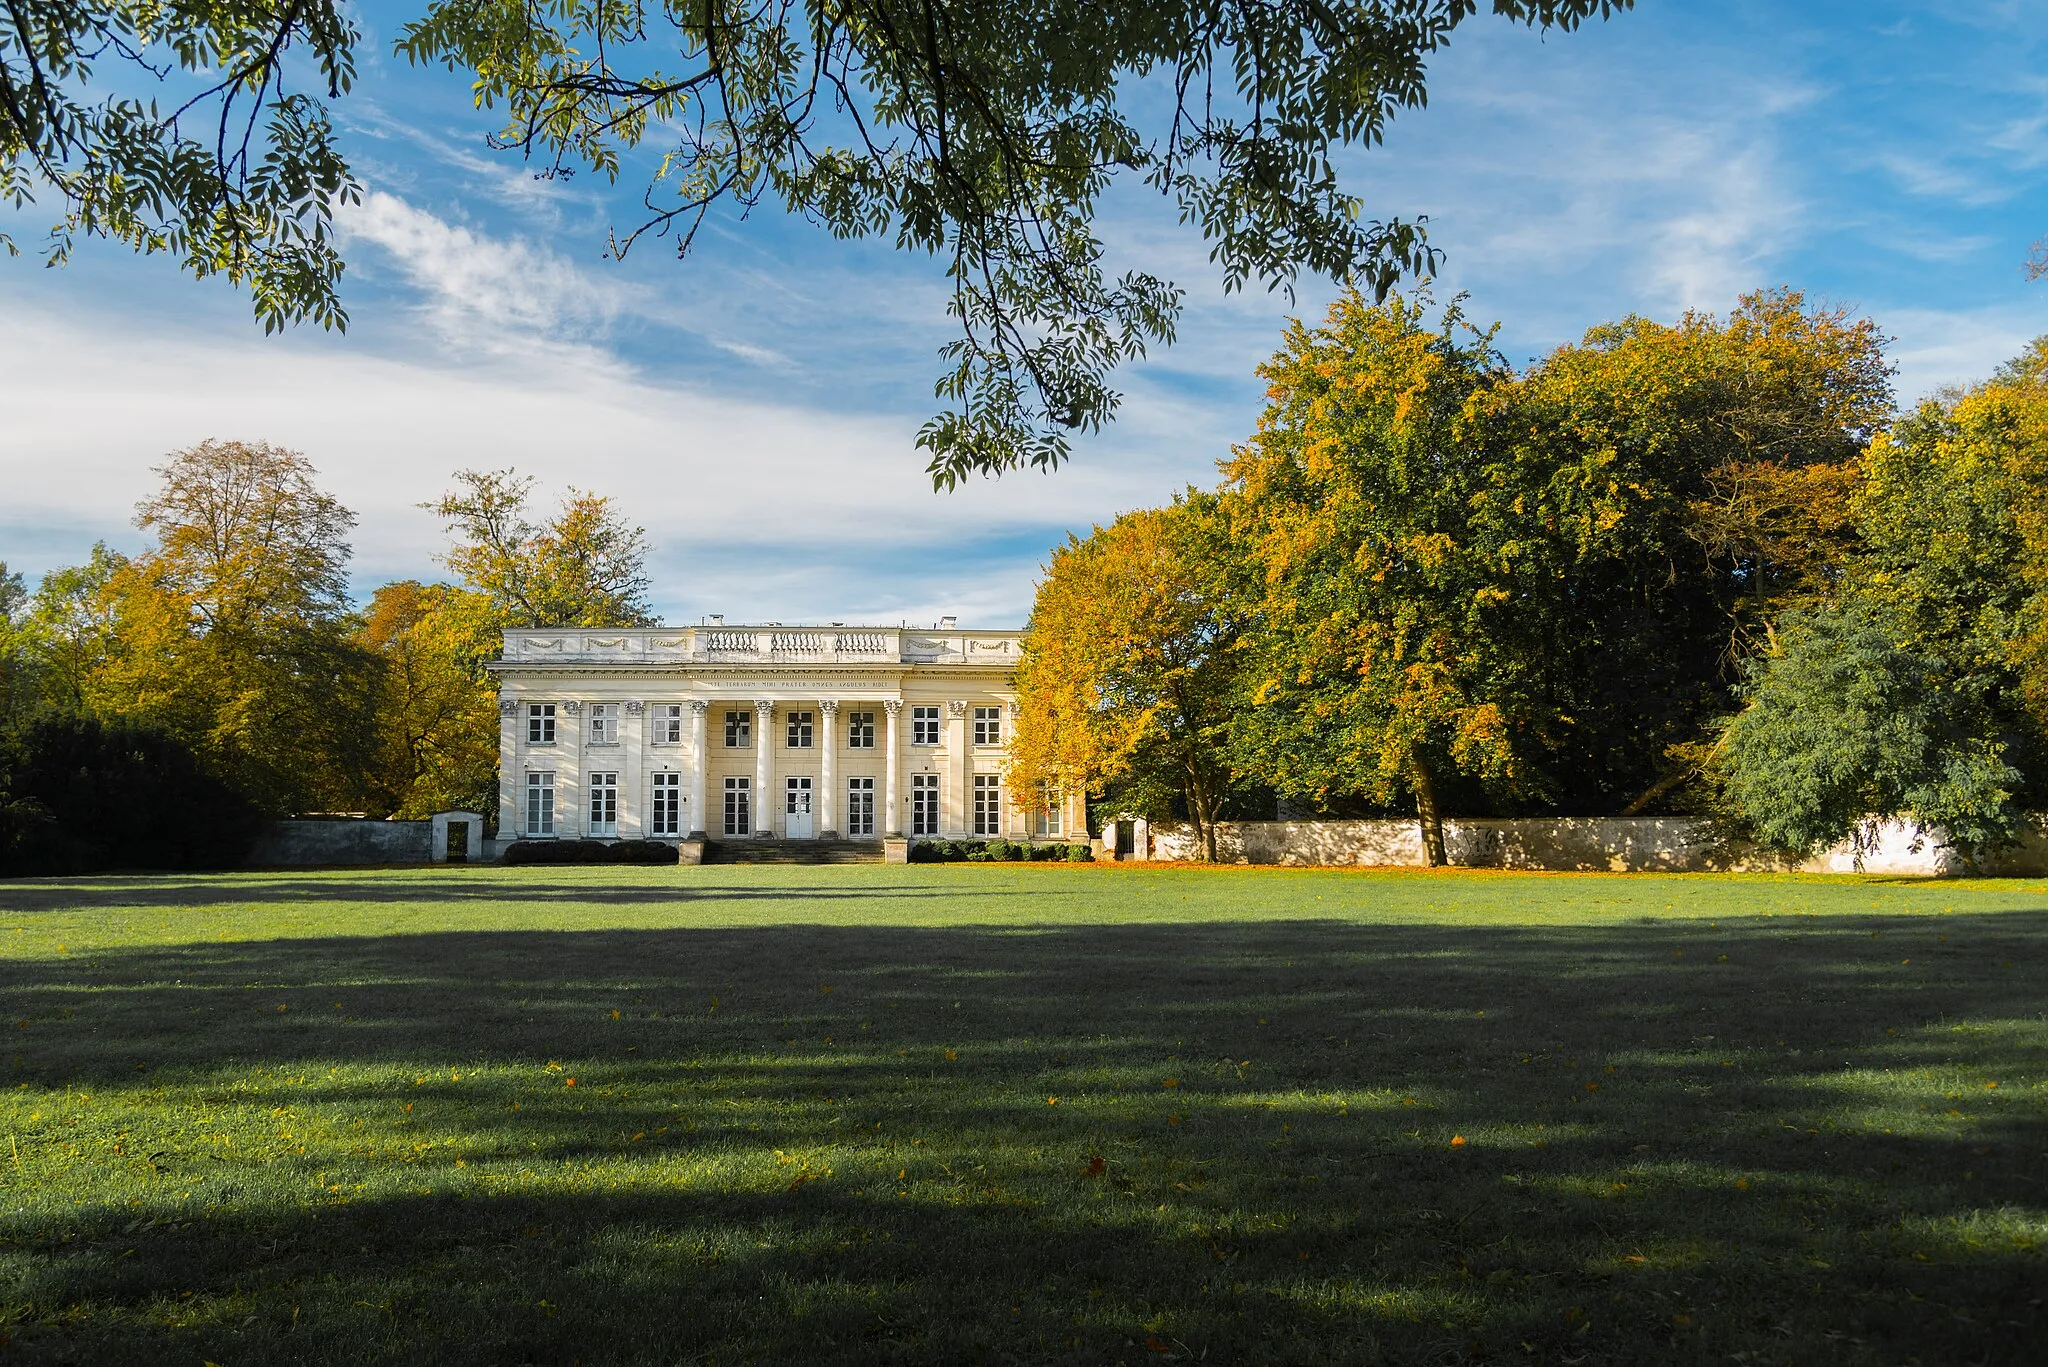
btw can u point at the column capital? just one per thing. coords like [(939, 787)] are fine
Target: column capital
[(699, 707), (764, 706), (958, 707), (573, 708), (892, 705), (1016, 709), (508, 707), (635, 708), (829, 706)]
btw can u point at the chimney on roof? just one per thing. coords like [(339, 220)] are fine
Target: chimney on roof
[(948, 623), (716, 619)]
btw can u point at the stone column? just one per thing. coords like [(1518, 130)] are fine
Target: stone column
[(700, 824), (764, 767), (892, 802), (960, 743), (511, 774), (569, 795), (633, 794), (828, 768)]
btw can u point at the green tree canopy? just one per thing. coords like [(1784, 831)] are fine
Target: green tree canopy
[(980, 132), (585, 568)]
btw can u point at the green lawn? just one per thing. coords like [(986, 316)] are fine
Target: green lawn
[(1022, 1113)]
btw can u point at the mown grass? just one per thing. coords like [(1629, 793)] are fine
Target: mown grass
[(1033, 1114)]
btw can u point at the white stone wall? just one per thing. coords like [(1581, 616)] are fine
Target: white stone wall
[(1618, 844)]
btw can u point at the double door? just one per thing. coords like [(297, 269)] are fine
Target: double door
[(797, 820)]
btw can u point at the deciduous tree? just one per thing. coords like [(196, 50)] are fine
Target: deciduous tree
[(437, 713), (1129, 675), (585, 568), (981, 132)]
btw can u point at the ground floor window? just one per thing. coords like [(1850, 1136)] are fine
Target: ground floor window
[(540, 804), (1047, 819), (988, 804), (604, 805), (860, 806), (739, 810), (667, 816), (924, 804)]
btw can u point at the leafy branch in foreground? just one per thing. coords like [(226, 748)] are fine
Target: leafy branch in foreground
[(985, 132), (238, 177)]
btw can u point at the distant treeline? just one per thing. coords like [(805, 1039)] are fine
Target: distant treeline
[(154, 708), (1699, 567)]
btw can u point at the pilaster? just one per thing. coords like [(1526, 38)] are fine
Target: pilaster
[(959, 808), (635, 792), (511, 774), (569, 798)]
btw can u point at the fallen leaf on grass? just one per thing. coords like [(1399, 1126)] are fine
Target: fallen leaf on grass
[(1096, 1166), (1457, 1141)]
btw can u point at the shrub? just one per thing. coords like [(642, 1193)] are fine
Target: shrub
[(589, 852), (71, 788), (1080, 854), (997, 850)]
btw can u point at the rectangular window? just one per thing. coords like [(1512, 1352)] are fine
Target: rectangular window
[(1046, 821), (668, 724), (739, 812), (988, 804), (604, 805), (540, 804), (604, 723), (860, 806), (860, 730), (739, 730), (988, 726), (924, 804), (924, 726), (667, 816), (798, 730), (540, 724)]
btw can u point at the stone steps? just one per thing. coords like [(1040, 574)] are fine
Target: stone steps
[(793, 852)]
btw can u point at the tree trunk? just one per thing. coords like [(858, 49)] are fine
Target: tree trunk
[(1205, 821), (1197, 798), (1427, 813)]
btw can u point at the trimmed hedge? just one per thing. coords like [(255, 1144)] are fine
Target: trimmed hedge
[(994, 852), (589, 852)]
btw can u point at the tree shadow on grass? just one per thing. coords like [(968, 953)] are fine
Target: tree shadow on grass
[(66, 895), (1318, 1141)]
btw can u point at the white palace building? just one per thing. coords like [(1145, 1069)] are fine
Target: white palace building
[(763, 733)]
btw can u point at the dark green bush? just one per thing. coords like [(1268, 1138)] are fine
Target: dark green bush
[(1080, 854), (82, 796), (996, 851), (589, 852)]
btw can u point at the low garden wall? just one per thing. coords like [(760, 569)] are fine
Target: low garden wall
[(330, 841), (1621, 844)]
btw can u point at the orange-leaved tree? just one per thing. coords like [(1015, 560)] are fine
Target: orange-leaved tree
[(1129, 671), (437, 728)]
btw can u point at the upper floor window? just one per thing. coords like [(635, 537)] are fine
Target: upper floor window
[(604, 723), (540, 723), (668, 724), (924, 726), (739, 730), (988, 726), (798, 730), (860, 730)]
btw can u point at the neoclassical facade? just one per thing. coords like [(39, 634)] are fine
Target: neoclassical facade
[(763, 732)]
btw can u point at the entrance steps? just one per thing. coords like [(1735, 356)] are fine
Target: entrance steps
[(793, 852)]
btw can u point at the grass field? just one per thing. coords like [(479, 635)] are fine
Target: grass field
[(1022, 1113)]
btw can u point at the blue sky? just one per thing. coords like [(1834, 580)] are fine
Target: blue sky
[(754, 406)]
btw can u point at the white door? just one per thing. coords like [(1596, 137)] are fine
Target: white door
[(796, 810)]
